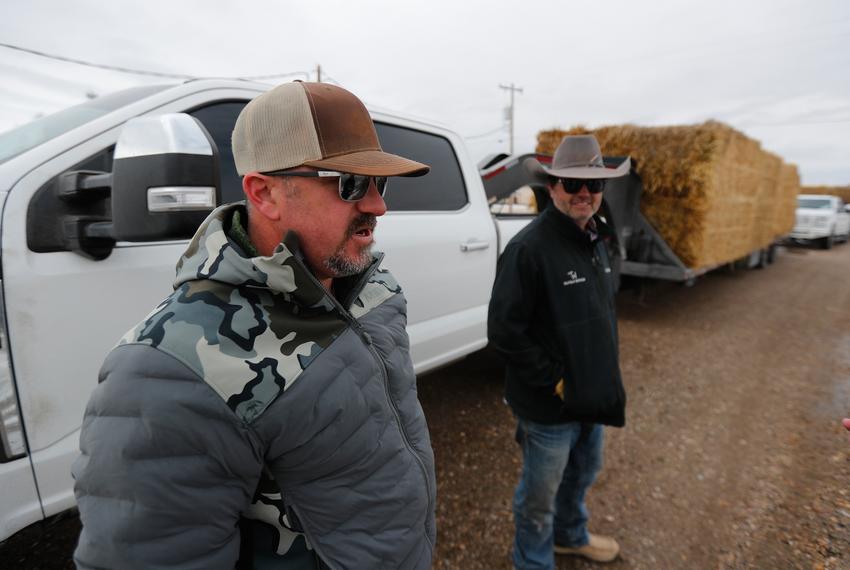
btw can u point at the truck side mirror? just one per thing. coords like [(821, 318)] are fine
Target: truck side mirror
[(165, 178)]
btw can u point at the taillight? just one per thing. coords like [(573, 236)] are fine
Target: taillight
[(12, 443)]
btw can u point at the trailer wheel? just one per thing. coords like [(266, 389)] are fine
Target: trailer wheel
[(771, 254), (762, 262)]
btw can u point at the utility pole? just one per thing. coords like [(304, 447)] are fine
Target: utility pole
[(318, 73), (510, 110)]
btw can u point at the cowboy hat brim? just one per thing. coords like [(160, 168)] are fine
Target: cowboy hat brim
[(540, 172)]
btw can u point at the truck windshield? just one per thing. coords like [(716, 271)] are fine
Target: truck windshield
[(30, 135), (814, 203)]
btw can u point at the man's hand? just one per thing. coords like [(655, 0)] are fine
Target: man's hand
[(559, 390)]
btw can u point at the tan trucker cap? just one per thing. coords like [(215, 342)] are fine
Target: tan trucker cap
[(313, 124)]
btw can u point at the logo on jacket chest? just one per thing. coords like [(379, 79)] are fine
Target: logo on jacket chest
[(573, 279)]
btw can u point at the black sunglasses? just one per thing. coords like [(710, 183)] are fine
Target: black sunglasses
[(352, 187), (573, 185)]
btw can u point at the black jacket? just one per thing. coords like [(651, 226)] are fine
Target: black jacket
[(552, 316)]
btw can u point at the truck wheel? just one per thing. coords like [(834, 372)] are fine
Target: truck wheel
[(826, 242)]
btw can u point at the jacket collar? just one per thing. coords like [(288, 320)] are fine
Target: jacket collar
[(214, 255), (564, 225)]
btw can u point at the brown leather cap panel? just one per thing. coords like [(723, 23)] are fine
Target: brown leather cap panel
[(372, 163), (343, 124)]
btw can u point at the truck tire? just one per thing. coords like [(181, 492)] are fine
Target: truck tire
[(827, 242)]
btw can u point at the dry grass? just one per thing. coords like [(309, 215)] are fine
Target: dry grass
[(713, 193)]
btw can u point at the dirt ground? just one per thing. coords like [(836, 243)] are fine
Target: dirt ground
[(732, 455)]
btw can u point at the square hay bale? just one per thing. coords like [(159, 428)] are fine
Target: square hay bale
[(789, 182), (842, 192), (711, 192)]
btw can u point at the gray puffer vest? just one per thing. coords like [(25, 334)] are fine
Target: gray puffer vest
[(251, 393)]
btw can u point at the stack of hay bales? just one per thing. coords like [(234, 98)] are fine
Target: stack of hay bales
[(842, 192), (712, 193)]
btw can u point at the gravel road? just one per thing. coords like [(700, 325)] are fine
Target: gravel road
[(732, 455)]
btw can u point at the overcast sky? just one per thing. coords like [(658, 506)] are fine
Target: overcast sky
[(779, 70)]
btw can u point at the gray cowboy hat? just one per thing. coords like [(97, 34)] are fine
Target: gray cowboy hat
[(578, 156)]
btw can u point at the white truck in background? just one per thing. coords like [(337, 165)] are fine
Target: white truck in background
[(92, 227), (821, 218)]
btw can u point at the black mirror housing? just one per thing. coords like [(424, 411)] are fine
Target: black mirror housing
[(165, 178)]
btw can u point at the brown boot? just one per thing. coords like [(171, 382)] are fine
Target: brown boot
[(600, 549)]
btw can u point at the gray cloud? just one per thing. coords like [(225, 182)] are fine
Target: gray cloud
[(769, 68)]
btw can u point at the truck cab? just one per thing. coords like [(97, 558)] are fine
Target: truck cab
[(821, 218), (70, 287)]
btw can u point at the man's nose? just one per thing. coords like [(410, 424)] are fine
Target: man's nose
[(372, 202)]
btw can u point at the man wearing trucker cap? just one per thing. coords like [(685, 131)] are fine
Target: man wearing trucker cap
[(552, 317), (265, 414)]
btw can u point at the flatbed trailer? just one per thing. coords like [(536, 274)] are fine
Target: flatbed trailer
[(643, 252)]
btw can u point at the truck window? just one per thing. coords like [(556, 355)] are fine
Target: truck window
[(814, 203), (522, 202), (30, 135), (219, 119), (441, 189)]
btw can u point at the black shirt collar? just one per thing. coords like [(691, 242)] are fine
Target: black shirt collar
[(564, 225)]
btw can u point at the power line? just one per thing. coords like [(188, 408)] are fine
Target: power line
[(306, 75), (136, 71), (328, 79), (97, 65)]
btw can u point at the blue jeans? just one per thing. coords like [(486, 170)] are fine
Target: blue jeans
[(559, 463)]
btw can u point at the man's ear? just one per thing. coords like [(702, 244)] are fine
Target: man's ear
[(259, 191)]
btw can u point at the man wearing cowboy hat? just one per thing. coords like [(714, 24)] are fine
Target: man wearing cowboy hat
[(552, 316)]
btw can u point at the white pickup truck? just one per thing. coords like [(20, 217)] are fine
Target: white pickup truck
[(74, 279), (822, 218)]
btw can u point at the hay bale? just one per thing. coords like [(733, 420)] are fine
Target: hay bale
[(789, 181), (842, 192), (711, 192)]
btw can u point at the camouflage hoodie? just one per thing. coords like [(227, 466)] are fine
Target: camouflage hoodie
[(247, 389)]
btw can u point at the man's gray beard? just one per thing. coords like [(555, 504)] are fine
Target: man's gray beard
[(341, 265)]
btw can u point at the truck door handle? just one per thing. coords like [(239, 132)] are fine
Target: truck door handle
[(473, 245)]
